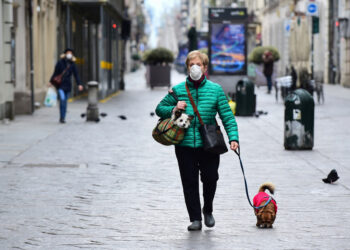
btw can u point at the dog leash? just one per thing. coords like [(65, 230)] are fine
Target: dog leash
[(238, 153)]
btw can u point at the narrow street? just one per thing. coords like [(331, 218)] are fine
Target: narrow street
[(109, 185)]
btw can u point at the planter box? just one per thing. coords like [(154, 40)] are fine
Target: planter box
[(158, 76)]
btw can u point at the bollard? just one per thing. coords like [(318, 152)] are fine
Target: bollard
[(299, 120), (92, 113)]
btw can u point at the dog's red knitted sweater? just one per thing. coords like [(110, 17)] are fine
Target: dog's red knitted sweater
[(262, 196)]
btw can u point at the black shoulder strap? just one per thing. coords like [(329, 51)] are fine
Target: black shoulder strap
[(172, 93)]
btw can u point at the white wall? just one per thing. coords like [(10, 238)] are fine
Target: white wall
[(275, 34), (7, 89), (6, 48), (321, 55), (2, 97), (21, 47), (344, 12)]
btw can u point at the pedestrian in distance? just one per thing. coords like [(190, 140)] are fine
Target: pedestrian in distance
[(192, 39), (268, 68), (66, 66), (210, 99), (294, 75)]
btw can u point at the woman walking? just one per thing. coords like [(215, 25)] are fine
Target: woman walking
[(210, 99), (66, 66)]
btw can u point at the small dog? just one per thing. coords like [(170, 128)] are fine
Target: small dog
[(265, 215), (181, 119)]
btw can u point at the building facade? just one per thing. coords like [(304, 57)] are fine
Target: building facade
[(287, 26), (135, 45), (344, 34), (7, 54), (94, 29), (33, 35)]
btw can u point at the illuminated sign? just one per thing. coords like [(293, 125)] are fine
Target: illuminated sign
[(227, 41)]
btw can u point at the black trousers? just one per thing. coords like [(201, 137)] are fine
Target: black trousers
[(191, 162)]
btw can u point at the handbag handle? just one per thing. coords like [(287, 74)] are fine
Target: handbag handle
[(65, 70), (194, 105)]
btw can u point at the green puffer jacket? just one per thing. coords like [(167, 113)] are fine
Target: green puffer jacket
[(210, 99)]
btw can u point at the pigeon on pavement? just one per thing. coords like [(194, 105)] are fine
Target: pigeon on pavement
[(332, 177)]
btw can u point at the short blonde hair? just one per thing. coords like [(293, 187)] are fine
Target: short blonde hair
[(196, 53)]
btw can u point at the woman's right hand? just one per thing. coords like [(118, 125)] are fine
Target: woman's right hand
[(181, 105)]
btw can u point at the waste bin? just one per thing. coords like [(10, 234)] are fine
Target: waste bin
[(299, 120), (245, 98)]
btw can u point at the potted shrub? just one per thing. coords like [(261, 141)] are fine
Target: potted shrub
[(136, 57), (135, 61), (256, 56), (158, 66)]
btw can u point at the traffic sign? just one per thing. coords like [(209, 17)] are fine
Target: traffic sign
[(312, 9)]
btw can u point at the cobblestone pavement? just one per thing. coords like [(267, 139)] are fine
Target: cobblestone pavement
[(108, 185)]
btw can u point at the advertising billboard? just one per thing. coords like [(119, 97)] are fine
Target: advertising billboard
[(181, 59), (227, 41), (202, 40), (227, 52), (202, 44), (182, 55)]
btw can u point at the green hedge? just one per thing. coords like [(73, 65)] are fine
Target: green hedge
[(136, 57), (158, 56), (256, 55)]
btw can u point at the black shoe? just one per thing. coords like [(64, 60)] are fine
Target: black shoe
[(209, 220), (195, 226), (62, 121)]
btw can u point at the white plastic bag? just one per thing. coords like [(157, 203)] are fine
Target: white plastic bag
[(51, 97)]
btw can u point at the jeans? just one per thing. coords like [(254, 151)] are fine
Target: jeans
[(63, 97), (269, 82), (192, 161)]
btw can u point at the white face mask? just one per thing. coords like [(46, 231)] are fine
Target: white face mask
[(69, 56), (195, 72)]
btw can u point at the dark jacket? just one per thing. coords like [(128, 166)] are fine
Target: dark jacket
[(268, 68), (66, 84), (192, 39)]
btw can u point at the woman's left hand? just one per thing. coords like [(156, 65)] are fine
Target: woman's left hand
[(81, 88), (234, 145)]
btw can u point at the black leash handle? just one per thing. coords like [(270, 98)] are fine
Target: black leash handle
[(238, 153)]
